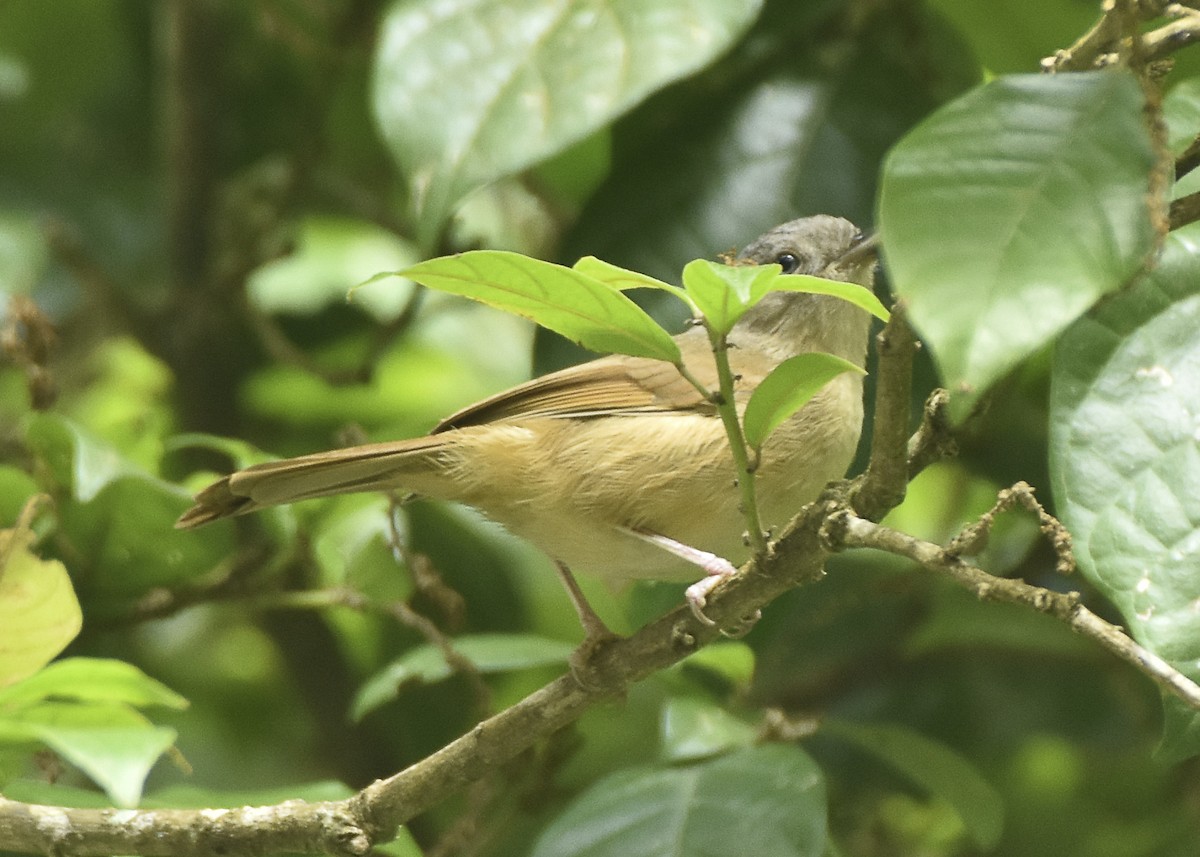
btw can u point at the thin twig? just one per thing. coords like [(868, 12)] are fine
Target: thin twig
[(1111, 39), (727, 409), (849, 531), (933, 439), (973, 538), (1185, 210)]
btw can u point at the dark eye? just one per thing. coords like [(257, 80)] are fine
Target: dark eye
[(788, 261)]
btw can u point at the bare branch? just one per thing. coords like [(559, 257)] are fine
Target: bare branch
[(1185, 210), (848, 531), (886, 480), (1113, 39)]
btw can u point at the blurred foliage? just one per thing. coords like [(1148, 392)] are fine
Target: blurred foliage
[(188, 189)]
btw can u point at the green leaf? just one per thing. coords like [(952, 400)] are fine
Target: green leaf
[(1124, 457), (723, 293), (696, 729), (623, 279), (1007, 213), (773, 131), (23, 251), (39, 613), (565, 301), (936, 768), (787, 389), (1181, 111), (729, 659), (111, 743), (78, 459), (849, 292), (767, 800), (489, 653), (332, 255), (474, 90), (125, 516), (92, 680), (187, 795)]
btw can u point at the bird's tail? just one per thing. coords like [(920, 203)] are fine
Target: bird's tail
[(373, 467)]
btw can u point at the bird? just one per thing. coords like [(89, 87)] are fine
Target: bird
[(619, 467)]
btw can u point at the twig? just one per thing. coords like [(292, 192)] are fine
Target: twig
[(883, 486), (1111, 39), (353, 826), (933, 439), (29, 339), (973, 538), (849, 531), (1183, 31), (1189, 160), (1185, 210), (727, 409)]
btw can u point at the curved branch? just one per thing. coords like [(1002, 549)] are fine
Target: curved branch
[(849, 531)]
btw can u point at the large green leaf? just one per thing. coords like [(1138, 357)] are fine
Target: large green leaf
[(794, 125), (39, 613), (468, 91), (1007, 214), (120, 518), (1125, 459), (584, 310), (767, 800)]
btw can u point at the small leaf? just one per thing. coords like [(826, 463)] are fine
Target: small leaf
[(92, 680), (565, 301), (623, 279), (39, 613), (849, 292), (1010, 211), (723, 293), (696, 729), (489, 653), (936, 768), (787, 389), (767, 800), (331, 255)]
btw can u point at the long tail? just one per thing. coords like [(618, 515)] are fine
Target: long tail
[(373, 467)]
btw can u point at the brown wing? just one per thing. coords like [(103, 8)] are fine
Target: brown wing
[(607, 386)]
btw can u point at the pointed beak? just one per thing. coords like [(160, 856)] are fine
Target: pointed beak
[(863, 250)]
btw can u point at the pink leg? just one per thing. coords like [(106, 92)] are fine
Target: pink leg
[(715, 568)]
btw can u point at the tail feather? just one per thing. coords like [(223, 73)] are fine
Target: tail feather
[(374, 467)]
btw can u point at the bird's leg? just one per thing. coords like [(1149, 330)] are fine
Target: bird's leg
[(596, 633), (715, 568)]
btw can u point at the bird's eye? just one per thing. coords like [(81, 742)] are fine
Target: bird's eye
[(788, 261)]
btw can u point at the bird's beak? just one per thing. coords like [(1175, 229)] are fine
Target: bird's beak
[(865, 249)]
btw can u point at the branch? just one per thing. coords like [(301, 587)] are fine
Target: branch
[(1185, 210), (846, 530), (1112, 39), (885, 482), (351, 827)]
